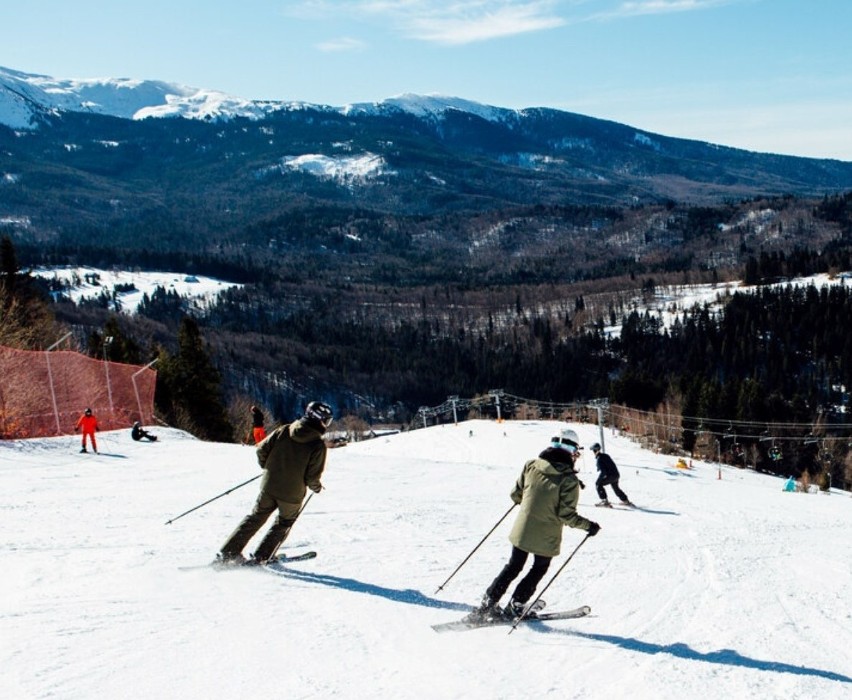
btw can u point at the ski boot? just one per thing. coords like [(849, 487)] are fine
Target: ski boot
[(488, 610), (227, 560), (603, 504)]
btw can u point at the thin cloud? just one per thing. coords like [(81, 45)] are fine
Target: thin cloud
[(660, 7), (444, 21), (459, 22), (466, 23), (341, 44)]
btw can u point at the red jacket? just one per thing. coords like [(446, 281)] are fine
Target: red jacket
[(89, 424)]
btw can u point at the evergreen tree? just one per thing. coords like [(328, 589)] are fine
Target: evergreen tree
[(189, 391), (8, 266), (119, 346)]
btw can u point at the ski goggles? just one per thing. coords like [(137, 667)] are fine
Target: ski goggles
[(569, 447)]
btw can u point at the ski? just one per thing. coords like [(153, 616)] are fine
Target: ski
[(286, 559), (280, 559), (472, 622)]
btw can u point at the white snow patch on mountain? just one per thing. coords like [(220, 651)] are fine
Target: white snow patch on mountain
[(341, 168), (431, 105), (128, 288), (25, 95), (670, 302)]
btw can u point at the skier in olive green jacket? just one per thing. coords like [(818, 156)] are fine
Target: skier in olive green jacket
[(293, 458), (547, 491)]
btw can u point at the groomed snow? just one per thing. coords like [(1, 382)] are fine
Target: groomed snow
[(718, 588)]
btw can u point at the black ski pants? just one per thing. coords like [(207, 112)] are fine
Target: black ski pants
[(609, 481), (265, 506), (526, 586)]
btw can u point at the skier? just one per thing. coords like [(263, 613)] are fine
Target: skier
[(258, 431), (293, 457), (137, 432), (608, 476), (547, 491), (89, 425)]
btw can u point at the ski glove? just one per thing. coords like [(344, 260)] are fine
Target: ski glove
[(594, 528)]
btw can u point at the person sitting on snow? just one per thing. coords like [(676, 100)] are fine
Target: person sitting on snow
[(137, 432)]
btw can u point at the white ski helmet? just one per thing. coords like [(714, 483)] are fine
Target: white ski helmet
[(566, 438)]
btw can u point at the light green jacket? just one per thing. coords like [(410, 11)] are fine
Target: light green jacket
[(547, 491)]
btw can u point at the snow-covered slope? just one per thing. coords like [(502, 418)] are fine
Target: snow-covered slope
[(127, 288), (716, 588), (25, 95)]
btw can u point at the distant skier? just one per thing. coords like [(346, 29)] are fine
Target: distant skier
[(89, 425), (608, 476), (547, 491), (137, 432), (258, 431), (293, 457)]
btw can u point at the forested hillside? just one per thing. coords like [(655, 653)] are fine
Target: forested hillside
[(388, 262)]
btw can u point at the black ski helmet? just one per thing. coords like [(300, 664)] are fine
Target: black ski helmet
[(319, 413)]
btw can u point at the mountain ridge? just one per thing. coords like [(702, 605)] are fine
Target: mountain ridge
[(419, 187), (157, 98)]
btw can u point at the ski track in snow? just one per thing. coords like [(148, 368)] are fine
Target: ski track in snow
[(715, 588)]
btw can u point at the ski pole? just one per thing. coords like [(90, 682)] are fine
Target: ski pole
[(304, 505), (475, 548), (538, 597), (225, 493)]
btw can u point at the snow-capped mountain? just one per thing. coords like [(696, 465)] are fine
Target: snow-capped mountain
[(92, 155), (24, 96)]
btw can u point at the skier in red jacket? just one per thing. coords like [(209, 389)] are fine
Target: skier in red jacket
[(89, 424)]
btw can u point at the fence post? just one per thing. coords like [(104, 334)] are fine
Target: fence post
[(136, 389), (50, 380)]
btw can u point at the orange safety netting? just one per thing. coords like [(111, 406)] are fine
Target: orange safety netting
[(44, 393)]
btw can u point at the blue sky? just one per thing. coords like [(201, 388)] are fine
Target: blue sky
[(765, 75)]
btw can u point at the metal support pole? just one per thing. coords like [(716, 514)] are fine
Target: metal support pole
[(107, 343), (50, 380), (136, 388)]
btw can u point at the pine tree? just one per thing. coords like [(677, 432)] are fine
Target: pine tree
[(189, 390)]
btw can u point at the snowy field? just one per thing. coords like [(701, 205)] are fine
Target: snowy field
[(670, 302), (89, 283), (716, 588)]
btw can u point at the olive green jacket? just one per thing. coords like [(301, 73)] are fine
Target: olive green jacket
[(547, 491), (293, 457)]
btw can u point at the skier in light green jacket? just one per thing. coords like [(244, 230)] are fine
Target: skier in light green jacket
[(547, 491)]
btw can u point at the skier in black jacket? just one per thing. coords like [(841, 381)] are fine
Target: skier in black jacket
[(608, 477)]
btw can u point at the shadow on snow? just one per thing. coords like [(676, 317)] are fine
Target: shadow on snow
[(407, 595), (727, 657)]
